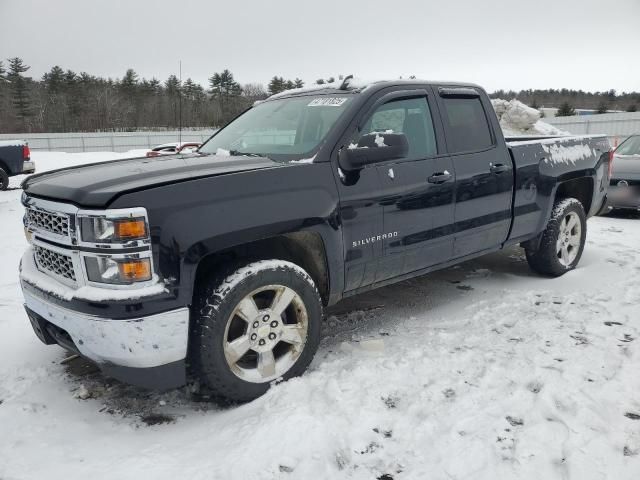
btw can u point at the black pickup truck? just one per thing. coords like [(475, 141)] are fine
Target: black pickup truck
[(15, 159), (217, 264)]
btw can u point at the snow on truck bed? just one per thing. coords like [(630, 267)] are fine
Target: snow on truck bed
[(516, 118), (480, 371)]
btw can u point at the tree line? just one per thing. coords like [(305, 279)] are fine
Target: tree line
[(67, 101), (568, 100)]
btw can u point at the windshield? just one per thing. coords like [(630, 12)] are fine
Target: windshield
[(631, 146), (286, 129)]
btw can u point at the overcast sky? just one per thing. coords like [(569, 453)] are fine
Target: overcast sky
[(511, 44)]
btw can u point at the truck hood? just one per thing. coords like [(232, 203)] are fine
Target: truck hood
[(97, 184)]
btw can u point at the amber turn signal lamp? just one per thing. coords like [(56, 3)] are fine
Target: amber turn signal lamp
[(128, 229), (135, 270)]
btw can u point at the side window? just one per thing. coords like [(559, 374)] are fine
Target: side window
[(466, 125), (411, 117)]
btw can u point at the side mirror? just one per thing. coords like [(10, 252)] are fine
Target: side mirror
[(373, 148)]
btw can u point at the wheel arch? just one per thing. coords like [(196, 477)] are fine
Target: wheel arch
[(305, 248), (581, 188)]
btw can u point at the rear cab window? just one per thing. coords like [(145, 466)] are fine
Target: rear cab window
[(466, 124)]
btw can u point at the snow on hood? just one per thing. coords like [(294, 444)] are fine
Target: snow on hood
[(516, 118)]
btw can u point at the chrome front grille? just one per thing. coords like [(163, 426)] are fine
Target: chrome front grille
[(54, 262), (56, 223)]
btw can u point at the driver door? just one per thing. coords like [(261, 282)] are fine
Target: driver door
[(406, 224), (418, 191)]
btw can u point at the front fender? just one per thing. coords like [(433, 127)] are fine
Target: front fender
[(191, 220)]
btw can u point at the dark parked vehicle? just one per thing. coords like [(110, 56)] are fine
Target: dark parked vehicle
[(625, 176), (220, 265), (15, 159)]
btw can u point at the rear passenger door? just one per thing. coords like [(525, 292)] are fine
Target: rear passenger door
[(484, 172)]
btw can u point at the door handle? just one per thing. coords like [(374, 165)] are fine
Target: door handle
[(439, 177), (498, 167)]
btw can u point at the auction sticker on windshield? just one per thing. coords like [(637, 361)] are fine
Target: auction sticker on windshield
[(327, 102)]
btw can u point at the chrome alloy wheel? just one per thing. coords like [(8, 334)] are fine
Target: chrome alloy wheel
[(265, 334), (569, 236)]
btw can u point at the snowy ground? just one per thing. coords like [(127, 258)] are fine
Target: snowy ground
[(481, 371)]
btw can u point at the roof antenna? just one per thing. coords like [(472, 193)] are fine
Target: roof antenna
[(180, 109), (345, 82)]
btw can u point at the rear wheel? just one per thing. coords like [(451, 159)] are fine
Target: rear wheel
[(4, 180), (562, 241), (257, 325)]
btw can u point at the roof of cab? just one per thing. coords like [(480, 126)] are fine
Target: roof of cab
[(355, 85)]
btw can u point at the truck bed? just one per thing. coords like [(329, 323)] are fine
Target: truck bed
[(541, 163)]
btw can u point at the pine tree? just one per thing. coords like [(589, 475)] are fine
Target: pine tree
[(70, 78), (129, 83), (279, 84), (602, 108), (225, 90), (172, 88), (55, 106), (154, 86), (189, 89), (276, 85), (223, 85), (172, 85), (54, 80), (565, 110), (19, 88), (3, 83), (632, 108)]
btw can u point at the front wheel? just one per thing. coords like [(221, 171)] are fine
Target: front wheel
[(257, 325), (562, 241)]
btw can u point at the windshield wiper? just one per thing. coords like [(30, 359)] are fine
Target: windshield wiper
[(238, 153)]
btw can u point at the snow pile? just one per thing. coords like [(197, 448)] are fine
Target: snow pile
[(518, 119)]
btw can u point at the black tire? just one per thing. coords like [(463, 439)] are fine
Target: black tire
[(213, 309), (4, 180), (546, 260)]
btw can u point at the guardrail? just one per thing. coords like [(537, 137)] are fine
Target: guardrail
[(617, 126), (105, 141)]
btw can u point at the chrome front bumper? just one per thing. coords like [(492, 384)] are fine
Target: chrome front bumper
[(140, 342)]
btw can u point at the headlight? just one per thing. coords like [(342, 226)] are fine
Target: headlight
[(113, 230), (111, 234), (118, 271)]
